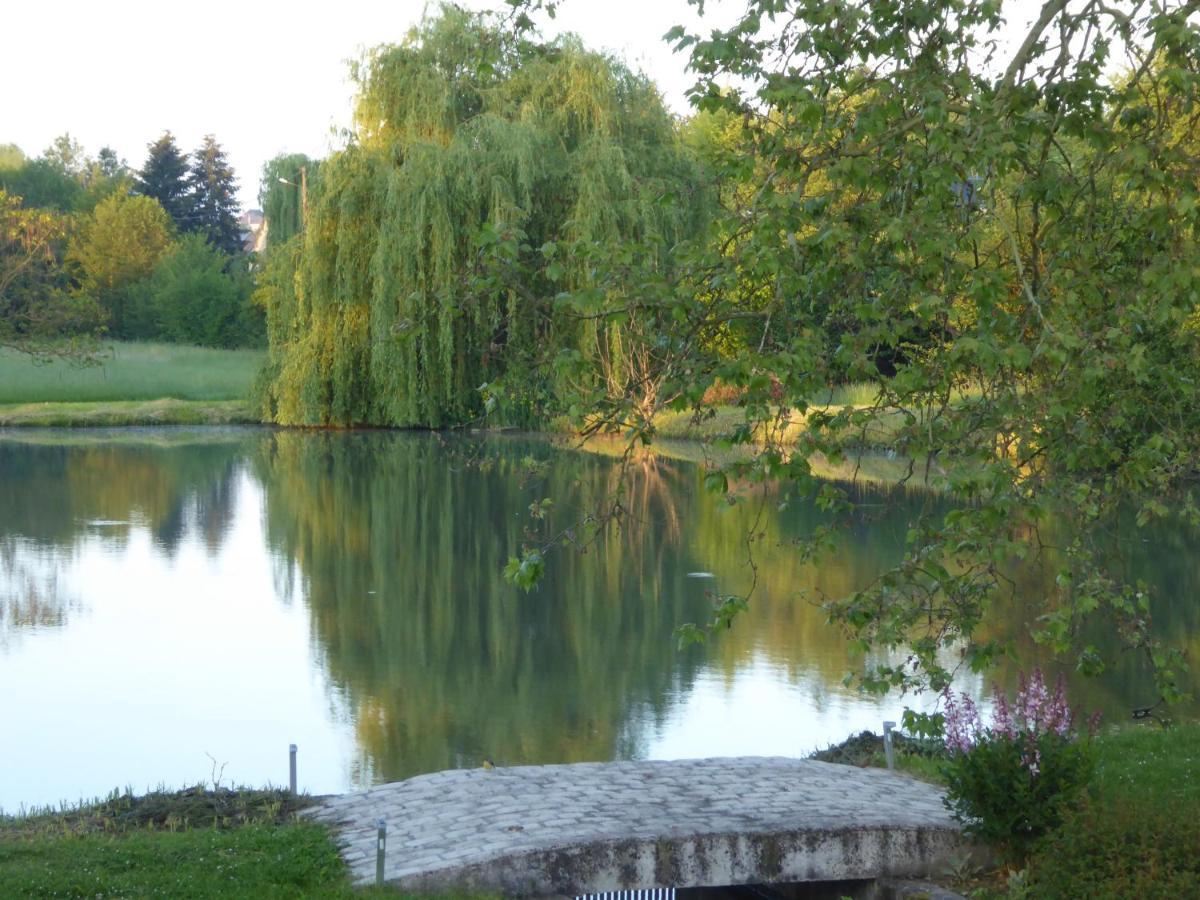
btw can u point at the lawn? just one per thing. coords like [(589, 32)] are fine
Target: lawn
[(195, 843), (130, 371), (1137, 833)]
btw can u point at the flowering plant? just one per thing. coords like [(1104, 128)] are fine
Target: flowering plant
[(1008, 783)]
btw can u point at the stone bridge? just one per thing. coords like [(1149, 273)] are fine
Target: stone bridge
[(595, 827)]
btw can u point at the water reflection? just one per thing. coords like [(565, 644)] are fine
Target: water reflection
[(230, 591), (400, 544), (56, 498), (31, 597), (58, 494)]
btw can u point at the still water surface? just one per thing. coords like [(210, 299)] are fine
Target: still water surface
[(181, 605)]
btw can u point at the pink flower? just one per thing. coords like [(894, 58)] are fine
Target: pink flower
[(963, 725), (1034, 712), (1002, 721), (1032, 701)]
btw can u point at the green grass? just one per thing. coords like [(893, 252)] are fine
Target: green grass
[(128, 412), (128, 371), (920, 759), (1137, 833), (721, 420), (195, 843)]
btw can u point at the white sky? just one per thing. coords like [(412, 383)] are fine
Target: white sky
[(264, 77)]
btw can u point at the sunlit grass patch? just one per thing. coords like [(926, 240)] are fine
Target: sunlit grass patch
[(128, 412)]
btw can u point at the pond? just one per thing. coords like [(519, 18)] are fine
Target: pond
[(181, 605)]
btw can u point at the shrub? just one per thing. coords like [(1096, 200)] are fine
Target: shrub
[(721, 393), (1117, 850), (1011, 783), (196, 295)]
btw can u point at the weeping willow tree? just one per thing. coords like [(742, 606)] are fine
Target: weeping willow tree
[(484, 177), (285, 178)]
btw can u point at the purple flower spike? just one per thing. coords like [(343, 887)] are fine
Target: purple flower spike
[(1002, 721)]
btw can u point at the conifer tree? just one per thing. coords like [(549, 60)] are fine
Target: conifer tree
[(215, 206), (164, 176)]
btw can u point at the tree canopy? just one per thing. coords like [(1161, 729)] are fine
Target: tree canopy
[(36, 310), (284, 178), (436, 240), (192, 298), (1000, 241), (164, 177), (117, 246), (213, 196)]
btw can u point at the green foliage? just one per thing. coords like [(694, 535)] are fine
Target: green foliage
[(41, 184), (212, 196), (164, 178), (1010, 783), (993, 793), (921, 758), (36, 312), (283, 204), (64, 178), (111, 166), (114, 248), (194, 296), (526, 571), (1002, 247), (123, 811), (11, 157), (1136, 833), (475, 156)]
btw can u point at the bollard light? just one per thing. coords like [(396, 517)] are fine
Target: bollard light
[(380, 851)]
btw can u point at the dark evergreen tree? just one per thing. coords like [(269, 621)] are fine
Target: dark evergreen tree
[(165, 178), (215, 206)]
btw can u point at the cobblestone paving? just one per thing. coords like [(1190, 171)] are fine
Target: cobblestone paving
[(460, 818)]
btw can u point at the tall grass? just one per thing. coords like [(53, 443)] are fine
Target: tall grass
[(129, 371)]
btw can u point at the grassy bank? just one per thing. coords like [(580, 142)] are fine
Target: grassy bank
[(128, 412), (1136, 833), (724, 417), (196, 843), (130, 384)]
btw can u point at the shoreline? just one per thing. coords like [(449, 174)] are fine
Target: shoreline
[(114, 413), (677, 437)]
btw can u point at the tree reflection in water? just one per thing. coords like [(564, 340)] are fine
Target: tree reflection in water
[(392, 544)]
